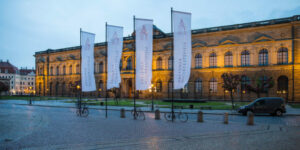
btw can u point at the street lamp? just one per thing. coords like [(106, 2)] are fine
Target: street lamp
[(30, 89), (151, 90)]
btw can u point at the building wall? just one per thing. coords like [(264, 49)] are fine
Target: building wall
[(253, 39)]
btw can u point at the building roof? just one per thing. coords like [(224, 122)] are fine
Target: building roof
[(7, 66), (196, 31), (25, 71)]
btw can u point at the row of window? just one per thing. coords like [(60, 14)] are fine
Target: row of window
[(282, 84), (213, 84), (282, 58)]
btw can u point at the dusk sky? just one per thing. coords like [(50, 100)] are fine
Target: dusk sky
[(28, 26)]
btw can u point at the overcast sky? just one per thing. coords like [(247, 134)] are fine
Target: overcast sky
[(27, 26)]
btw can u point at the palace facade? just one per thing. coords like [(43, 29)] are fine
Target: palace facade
[(254, 50)]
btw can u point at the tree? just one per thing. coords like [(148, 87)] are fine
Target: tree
[(3, 87), (262, 85), (230, 83)]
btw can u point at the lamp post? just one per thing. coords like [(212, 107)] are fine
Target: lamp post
[(79, 97), (151, 90), (30, 89)]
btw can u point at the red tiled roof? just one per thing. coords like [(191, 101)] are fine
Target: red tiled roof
[(7, 66)]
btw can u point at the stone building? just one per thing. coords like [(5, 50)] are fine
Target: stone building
[(22, 81), (254, 50)]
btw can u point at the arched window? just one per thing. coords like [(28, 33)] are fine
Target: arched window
[(101, 67), (244, 82), (158, 86), (64, 70), (228, 59), (213, 60), (77, 69), (263, 57), (57, 70), (170, 62), (101, 88), (40, 88), (50, 88), (263, 81), (129, 64), (213, 85), (56, 88), (282, 84), (63, 88), (282, 56), (70, 69), (51, 70), (245, 58), (186, 88), (198, 61), (41, 72), (158, 63), (198, 85)]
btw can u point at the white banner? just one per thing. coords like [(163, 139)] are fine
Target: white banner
[(182, 48), (143, 42), (87, 61), (114, 53)]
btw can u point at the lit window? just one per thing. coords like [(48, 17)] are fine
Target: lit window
[(198, 85), (228, 59), (170, 62), (213, 60), (198, 61), (282, 56), (159, 63), (263, 57), (213, 85)]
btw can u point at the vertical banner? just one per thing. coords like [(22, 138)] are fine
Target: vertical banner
[(182, 48), (114, 53), (143, 42), (87, 61)]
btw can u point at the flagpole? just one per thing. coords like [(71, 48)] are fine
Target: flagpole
[(172, 109), (106, 69), (134, 36), (80, 93)]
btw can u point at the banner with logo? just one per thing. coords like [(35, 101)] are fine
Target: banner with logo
[(114, 52), (182, 48), (143, 42), (87, 61)]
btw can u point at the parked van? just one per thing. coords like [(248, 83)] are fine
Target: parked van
[(272, 105)]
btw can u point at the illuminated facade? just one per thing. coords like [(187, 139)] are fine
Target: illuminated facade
[(21, 81), (253, 50)]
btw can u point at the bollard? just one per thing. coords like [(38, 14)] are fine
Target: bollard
[(200, 116), (122, 113), (157, 114), (226, 118), (250, 120)]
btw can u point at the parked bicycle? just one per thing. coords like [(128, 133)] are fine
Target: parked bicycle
[(183, 117), (82, 111), (138, 114)]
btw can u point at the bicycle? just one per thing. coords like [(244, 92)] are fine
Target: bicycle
[(82, 111), (139, 114), (183, 117)]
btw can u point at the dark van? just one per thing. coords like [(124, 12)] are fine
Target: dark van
[(272, 105)]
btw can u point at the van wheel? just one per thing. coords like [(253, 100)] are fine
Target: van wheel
[(278, 113)]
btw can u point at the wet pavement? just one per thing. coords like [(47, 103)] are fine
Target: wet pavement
[(61, 103), (36, 127)]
